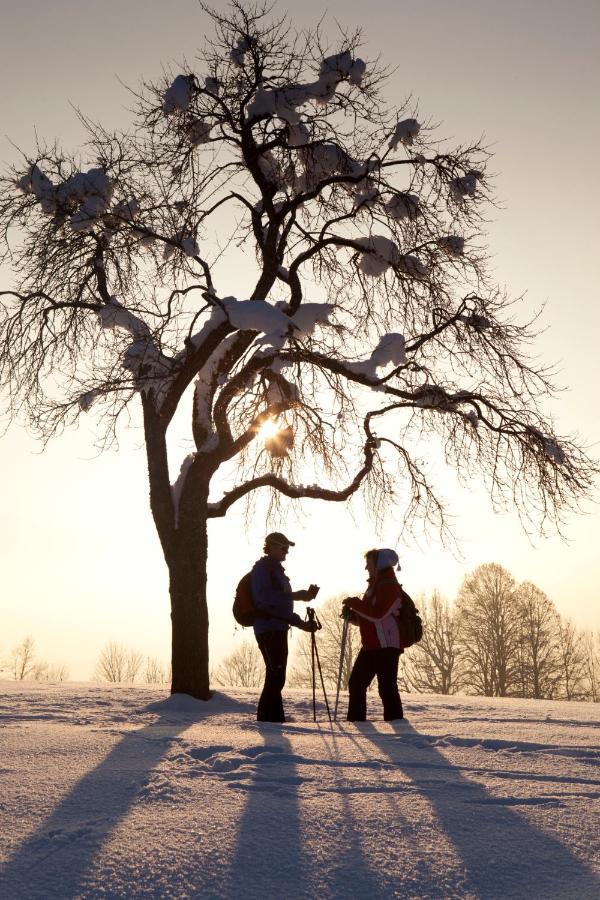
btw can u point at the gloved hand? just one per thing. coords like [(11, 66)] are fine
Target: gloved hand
[(303, 625), (311, 627)]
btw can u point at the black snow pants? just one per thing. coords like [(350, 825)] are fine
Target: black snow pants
[(382, 663), (274, 648)]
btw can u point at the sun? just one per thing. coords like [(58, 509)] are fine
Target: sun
[(268, 429)]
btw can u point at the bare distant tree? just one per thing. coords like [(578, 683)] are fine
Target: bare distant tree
[(538, 649), (572, 662), (50, 672), (133, 664), (287, 151), (23, 659), (591, 651), (487, 608), (112, 663), (329, 642), (154, 671), (433, 665), (242, 668)]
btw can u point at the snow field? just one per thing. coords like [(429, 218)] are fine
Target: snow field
[(115, 792)]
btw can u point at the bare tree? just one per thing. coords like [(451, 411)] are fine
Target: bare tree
[(133, 664), (591, 651), (489, 628), (112, 663), (572, 661), (154, 672), (329, 643), (286, 152), (538, 650), (23, 659), (242, 668), (434, 663), (50, 672)]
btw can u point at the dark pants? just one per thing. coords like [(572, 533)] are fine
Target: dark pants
[(368, 664), (274, 648)]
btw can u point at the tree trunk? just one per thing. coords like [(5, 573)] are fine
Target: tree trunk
[(189, 614)]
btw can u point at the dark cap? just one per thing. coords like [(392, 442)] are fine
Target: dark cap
[(276, 537)]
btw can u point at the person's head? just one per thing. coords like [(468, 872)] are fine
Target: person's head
[(277, 545), (377, 560)]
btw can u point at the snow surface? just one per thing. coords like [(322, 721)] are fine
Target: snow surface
[(123, 792)]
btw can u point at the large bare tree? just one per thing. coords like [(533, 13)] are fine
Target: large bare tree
[(368, 329), (489, 627), (538, 648), (434, 664)]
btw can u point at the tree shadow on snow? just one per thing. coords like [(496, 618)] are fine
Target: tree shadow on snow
[(61, 850), (504, 854)]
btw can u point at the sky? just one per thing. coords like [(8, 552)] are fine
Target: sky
[(80, 561)]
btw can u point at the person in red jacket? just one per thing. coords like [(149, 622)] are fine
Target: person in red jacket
[(376, 616)]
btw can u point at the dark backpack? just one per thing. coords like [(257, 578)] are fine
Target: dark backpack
[(409, 622), (245, 612)]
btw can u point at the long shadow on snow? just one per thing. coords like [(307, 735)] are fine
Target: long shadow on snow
[(505, 855), (62, 849), (271, 856)]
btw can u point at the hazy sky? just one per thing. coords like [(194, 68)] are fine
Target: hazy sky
[(81, 563)]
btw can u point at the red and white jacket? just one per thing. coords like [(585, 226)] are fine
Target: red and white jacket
[(376, 614)]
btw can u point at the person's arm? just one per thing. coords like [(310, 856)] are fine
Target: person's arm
[(307, 595), (388, 599)]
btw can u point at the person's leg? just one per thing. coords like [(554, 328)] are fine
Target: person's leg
[(273, 646), (387, 682), (362, 675)]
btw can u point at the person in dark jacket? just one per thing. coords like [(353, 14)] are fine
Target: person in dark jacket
[(272, 594), (376, 616)]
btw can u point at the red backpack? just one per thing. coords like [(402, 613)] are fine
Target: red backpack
[(245, 612)]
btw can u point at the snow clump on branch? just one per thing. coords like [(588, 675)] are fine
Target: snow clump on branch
[(199, 132), (465, 185), (178, 95), (405, 133), (390, 349), (177, 486), (475, 320), (452, 245), (36, 183), (238, 52), (550, 446), (381, 253), (284, 101), (309, 315), (84, 197), (403, 206)]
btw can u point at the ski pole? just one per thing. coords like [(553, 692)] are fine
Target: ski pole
[(313, 647), (311, 617), (346, 618)]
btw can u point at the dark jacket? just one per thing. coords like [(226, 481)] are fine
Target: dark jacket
[(271, 592)]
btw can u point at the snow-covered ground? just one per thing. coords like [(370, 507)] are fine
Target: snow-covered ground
[(126, 792)]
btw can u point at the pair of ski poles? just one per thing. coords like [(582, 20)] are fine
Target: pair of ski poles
[(312, 617)]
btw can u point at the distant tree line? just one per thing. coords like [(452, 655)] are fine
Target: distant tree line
[(501, 638), (119, 664), (24, 664)]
